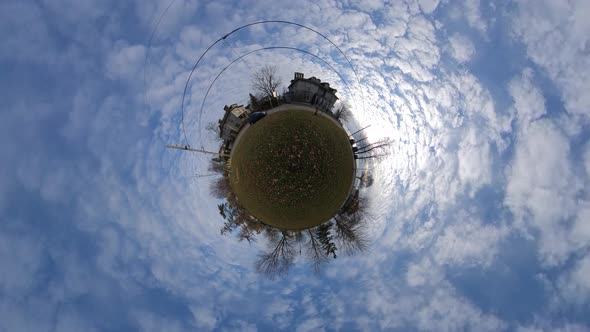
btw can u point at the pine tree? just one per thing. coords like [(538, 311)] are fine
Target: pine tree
[(323, 233), (254, 104)]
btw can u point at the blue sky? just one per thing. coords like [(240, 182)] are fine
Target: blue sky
[(482, 212)]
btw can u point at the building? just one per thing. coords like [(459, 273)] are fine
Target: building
[(311, 91), (233, 119)]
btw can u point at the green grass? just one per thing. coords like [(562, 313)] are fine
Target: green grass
[(292, 169)]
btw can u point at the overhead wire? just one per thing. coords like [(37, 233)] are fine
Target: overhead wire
[(258, 50), (238, 55), (243, 27), (149, 47)]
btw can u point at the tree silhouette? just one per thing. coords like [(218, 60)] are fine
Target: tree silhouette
[(266, 80), (345, 231), (370, 147), (343, 113), (325, 238), (254, 103), (315, 252), (217, 165), (236, 216), (279, 258), (375, 150), (366, 179), (350, 233), (213, 128), (220, 187)]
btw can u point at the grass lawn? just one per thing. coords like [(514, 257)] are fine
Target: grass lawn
[(292, 169)]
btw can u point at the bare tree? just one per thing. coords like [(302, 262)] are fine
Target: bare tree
[(217, 165), (366, 179), (247, 233), (278, 260), (272, 234), (317, 256), (360, 206), (343, 113), (372, 156), (350, 233), (377, 150), (213, 128), (220, 187), (266, 80), (372, 146)]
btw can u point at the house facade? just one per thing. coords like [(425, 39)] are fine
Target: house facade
[(233, 119), (311, 91)]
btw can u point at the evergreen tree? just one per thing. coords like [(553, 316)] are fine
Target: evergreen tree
[(254, 104), (323, 233)]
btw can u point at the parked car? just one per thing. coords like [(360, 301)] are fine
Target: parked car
[(255, 117)]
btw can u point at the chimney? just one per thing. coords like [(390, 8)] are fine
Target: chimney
[(298, 75)]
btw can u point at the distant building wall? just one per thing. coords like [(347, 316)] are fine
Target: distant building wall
[(235, 116), (311, 91)]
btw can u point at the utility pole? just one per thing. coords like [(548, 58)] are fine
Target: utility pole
[(359, 131), (188, 148)]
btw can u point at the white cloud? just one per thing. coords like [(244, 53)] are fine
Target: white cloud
[(428, 6), (204, 318), (474, 160), (528, 99), (176, 14), (241, 326), (423, 273), (461, 48), (546, 325), (370, 6), (443, 312), (575, 285), (472, 12), (78, 10), (556, 37), (24, 33), (468, 11), (21, 258), (446, 129), (416, 53), (580, 231), (541, 186), (313, 324), (125, 62), (427, 307), (16, 314), (70, 321), (587, 160), (542, 182), (147, 321), (468, 243)]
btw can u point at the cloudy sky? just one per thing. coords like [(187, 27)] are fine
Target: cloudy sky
[(482, 209)]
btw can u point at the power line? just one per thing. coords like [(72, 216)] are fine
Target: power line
[(243, 27), (236, 53), (198, 176), (351, 135), (188, 148), (147, 53), (258, 50)]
